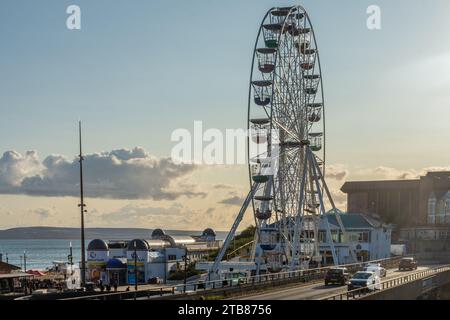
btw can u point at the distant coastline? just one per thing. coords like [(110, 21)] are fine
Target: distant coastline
[(25, 233)]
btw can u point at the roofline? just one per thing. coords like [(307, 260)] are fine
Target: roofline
[(376, 184), (378, 181)]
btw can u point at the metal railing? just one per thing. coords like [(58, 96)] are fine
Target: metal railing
[(240, 248), (388, 284), (302, 276)]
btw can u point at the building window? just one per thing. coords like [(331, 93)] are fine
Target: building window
[(447, 208), (432, 209), (322, 236), (335, 236), (172, 257), (364, 237), (361, 237)]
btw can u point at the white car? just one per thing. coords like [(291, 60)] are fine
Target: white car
[(365, 280), (379, 270), (370, 264)]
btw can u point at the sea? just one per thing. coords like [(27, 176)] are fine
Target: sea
[(41, 253)]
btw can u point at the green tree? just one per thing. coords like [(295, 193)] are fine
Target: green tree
[(243, 238)]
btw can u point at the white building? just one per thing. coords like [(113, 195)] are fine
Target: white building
[(155, 258), (370, 239)]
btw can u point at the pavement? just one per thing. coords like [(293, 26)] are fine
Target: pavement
[(141, 287)]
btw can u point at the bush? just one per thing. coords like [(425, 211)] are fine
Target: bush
[(246, 236), (179, 274)]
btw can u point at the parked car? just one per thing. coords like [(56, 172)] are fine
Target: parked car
[(376, 264), (369, 281), (407, 264), (234, 278), (154, 280), (377, 268), (90, 286), (337, 275)]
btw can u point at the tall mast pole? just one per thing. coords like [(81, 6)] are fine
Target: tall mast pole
[(82, 211)]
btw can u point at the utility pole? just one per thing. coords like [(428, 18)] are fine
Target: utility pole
[(82, 211), (70, 258), (185, 266), (135, 268), (24, 261)]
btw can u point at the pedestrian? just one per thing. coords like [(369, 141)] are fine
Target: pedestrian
[(115, 286)]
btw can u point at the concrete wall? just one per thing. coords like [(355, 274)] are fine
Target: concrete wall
[(412, 290)]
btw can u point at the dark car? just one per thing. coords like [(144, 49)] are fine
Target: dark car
[(90, 286), (407, 264), (337, 275), (154, 280)]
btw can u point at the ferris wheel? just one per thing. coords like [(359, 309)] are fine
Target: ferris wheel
[(286, 146)]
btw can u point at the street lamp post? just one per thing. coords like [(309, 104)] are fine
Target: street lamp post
[(24, 261), (135, 268), (185, 266), (70, 258), (82, 211)]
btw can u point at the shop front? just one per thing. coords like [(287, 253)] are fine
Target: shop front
[(116, 270), (137, 260), (140, 274), (97, 258)]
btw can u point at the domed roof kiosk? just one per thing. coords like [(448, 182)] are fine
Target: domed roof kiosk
[(208, 233), (158, 234), (137, 256), (141, 245), (97, 257), (97, 245)]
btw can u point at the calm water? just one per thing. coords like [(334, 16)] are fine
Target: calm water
[(41, 253)]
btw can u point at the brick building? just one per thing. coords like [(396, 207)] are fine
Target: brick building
[(405, 203)]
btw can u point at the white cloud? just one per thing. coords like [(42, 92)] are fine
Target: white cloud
[(118, 174), (388, 173), (135, 213), (336, 172), (44, 213), (233, 200), (14, 167), (176, 216)]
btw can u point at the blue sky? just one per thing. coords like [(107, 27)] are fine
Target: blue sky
[(140, 69), (147, 67)]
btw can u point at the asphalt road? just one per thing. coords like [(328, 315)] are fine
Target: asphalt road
[(317, 291)]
